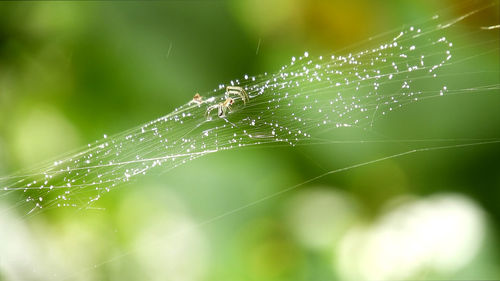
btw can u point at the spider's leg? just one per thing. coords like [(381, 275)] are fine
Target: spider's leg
[(245, 95), (240, 92), (209, 109), (221, 112)]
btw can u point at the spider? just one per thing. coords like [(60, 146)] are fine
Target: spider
[(222, 108), (225, 107), (197, 99)]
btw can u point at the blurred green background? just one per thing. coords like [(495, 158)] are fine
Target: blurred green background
[(73, 71)]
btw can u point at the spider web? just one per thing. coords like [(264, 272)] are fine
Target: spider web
[(304, 99)]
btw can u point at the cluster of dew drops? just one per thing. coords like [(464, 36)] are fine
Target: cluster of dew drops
[(287, 106)]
